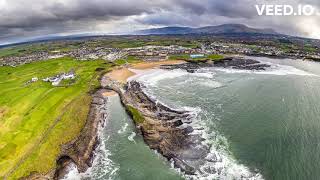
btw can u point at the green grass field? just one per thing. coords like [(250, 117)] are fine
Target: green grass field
[(187, 57), (37, 118), (128, 60)]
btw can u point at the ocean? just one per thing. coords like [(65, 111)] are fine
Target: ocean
[(261, 122)]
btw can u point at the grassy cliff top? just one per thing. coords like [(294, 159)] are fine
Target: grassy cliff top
[(37, 118), (187, 57)]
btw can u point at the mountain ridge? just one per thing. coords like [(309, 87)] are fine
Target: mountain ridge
[(219, 29)]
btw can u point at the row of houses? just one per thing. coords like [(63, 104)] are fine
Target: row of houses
[(158, 52), (235, 48), (55, 80)]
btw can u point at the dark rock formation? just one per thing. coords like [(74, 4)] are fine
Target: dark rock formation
[(234, 63), (80, 150), (169, 132), (163, 128)]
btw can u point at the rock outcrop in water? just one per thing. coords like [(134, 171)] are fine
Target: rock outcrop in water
[(170, 131), (234, 63), (164, 129)]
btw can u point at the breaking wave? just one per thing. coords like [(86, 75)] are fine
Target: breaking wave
[(123, 129), (220, 163), (131, 137), (274, 69), (152, 77), (101, 159)]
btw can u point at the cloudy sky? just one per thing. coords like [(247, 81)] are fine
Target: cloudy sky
[(23, 19)]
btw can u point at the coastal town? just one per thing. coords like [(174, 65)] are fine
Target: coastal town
[(161, 52)]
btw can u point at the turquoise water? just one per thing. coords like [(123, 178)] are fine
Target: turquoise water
[(122, 154), (271, 120), (261, 122), (131, 158)]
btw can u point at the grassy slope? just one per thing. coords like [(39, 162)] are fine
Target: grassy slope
[(36, 119), (136, 115), (213, 57), (128, 60)]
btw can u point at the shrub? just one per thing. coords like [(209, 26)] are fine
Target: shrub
[(136, 115)]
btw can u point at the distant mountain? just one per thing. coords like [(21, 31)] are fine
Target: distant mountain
[(50, 38), (166, 30), (221, 29), (230, 30)]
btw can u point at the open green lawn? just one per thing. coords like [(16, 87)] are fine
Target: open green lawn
[(36, 119), (127, 60), (187, 57)]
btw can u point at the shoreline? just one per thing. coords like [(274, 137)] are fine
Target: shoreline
[(80, 151), (123, 74), (170, 131), (172, 125)]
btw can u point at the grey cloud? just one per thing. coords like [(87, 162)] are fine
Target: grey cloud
[(24, 18), (23, 13)]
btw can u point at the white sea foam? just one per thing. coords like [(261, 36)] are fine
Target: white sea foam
[(123, 129), (73, 173), (275, 69), (131, 137), (202, 74), (225, 166), (101, 159), (211, 84), (153, 76)]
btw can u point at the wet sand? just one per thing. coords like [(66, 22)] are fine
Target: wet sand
[(150, 65), (122, 74), (109, 93)]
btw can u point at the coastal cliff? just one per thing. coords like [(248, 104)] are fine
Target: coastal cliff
[(231, 62), (80, 150), (166, 130), (163, 129), (169, 131)]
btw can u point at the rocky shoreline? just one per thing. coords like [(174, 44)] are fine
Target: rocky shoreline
[(164, 129), (80, 151), (169, 131), (232, 62)]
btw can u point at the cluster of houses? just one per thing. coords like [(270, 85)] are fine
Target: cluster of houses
[(259, 50), (86, 53), (19, 60), (80, 54), (151, 53), (234, 48), (55, 80)]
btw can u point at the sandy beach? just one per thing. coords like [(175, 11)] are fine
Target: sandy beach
[(122, 74), (150, 65), (109, 93)]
